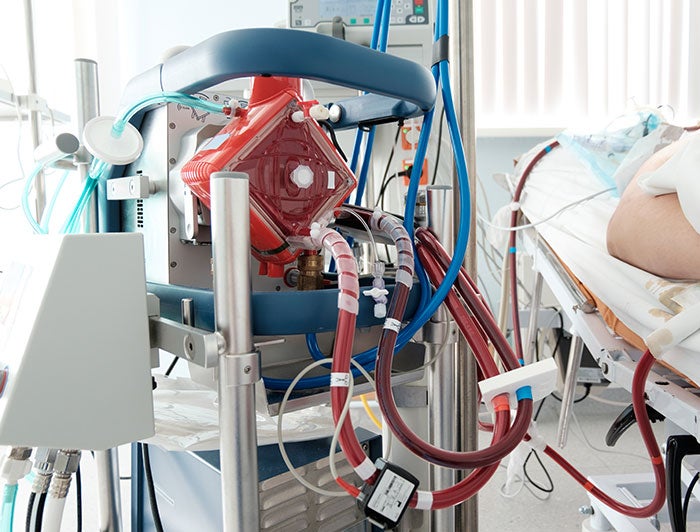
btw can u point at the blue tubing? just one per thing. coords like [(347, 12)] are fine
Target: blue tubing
[(362, 181), (427, 308), (9, 497)]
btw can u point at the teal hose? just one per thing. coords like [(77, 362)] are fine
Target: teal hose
[(9, 497), (46, 218), (28, 185)]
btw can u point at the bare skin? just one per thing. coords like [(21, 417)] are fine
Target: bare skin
[(651, 232)]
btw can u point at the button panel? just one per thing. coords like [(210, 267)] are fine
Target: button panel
[(311, 13)]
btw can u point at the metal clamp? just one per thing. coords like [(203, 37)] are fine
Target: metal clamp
[(243, 369), (192, 344)]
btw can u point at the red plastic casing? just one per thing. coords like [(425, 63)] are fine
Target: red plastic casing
[(264, 142)]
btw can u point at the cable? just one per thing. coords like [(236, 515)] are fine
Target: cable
[(39, 512), (171, 367), (30, 508), (439, 147), (280, 439), (599, 449), (550, 489), (151, 488), (79, 500), (688, 495), (334, 139), (544, 220), (375, 252), (382, 186), (586, 393), (603, 400), (7, 184), (370, 413)]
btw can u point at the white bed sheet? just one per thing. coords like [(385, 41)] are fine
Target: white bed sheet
[(642, 301)]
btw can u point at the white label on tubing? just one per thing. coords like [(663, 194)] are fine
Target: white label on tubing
[(392, 324), (340, 380), (425, 500), (366, 469)]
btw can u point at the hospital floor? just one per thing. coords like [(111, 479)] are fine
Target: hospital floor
[(523, 512), (560, 512)]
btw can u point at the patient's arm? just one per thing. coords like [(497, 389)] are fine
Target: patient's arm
[(651, 232)]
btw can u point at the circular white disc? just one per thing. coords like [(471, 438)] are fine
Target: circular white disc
[(99, 141)]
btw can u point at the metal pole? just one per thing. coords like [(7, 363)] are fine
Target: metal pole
[(567, 398), (109, 504), (87, 89), (34, 116), (442, 343), (534, 318), (238, 363), (461, 56)]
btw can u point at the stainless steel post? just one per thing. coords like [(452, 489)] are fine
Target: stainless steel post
[(534, 317), (87, 90), (109, 503), (442, 342), (34, 116), (567, 398), (238, 363), (461, 25)]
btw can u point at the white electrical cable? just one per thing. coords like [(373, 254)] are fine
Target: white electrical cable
[(605, 401), (19, 142), (343, 414), (600, 450), (554, 215), (53, 514), (280, 439)]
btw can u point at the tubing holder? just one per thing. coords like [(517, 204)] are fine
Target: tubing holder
[(540, 376)]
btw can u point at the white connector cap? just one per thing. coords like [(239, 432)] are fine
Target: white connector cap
[(541, 377), (319, 112), (13, 470), (302, 176)]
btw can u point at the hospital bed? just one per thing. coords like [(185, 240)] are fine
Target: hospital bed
[(611, 307)]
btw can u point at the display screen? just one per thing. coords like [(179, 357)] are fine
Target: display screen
[(346, 9)]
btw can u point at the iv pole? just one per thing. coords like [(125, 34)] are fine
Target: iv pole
[(462, 79)]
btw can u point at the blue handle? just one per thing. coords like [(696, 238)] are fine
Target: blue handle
[(291, 53), (371, 110)]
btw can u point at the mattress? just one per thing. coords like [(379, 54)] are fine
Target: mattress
[(632, 301)]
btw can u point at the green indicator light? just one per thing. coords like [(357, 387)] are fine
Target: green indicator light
[(419, 10), (353, 21), (366, 21)]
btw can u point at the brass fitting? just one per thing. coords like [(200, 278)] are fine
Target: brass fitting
[(310, 266)]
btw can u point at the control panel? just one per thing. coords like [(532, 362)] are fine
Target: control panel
[(311, 13)]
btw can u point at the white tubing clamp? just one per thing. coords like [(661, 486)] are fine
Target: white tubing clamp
[(540, 376)]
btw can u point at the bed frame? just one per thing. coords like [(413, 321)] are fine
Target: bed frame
[(669, 394)]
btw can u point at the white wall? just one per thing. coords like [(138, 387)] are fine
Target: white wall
[(125, 38)]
